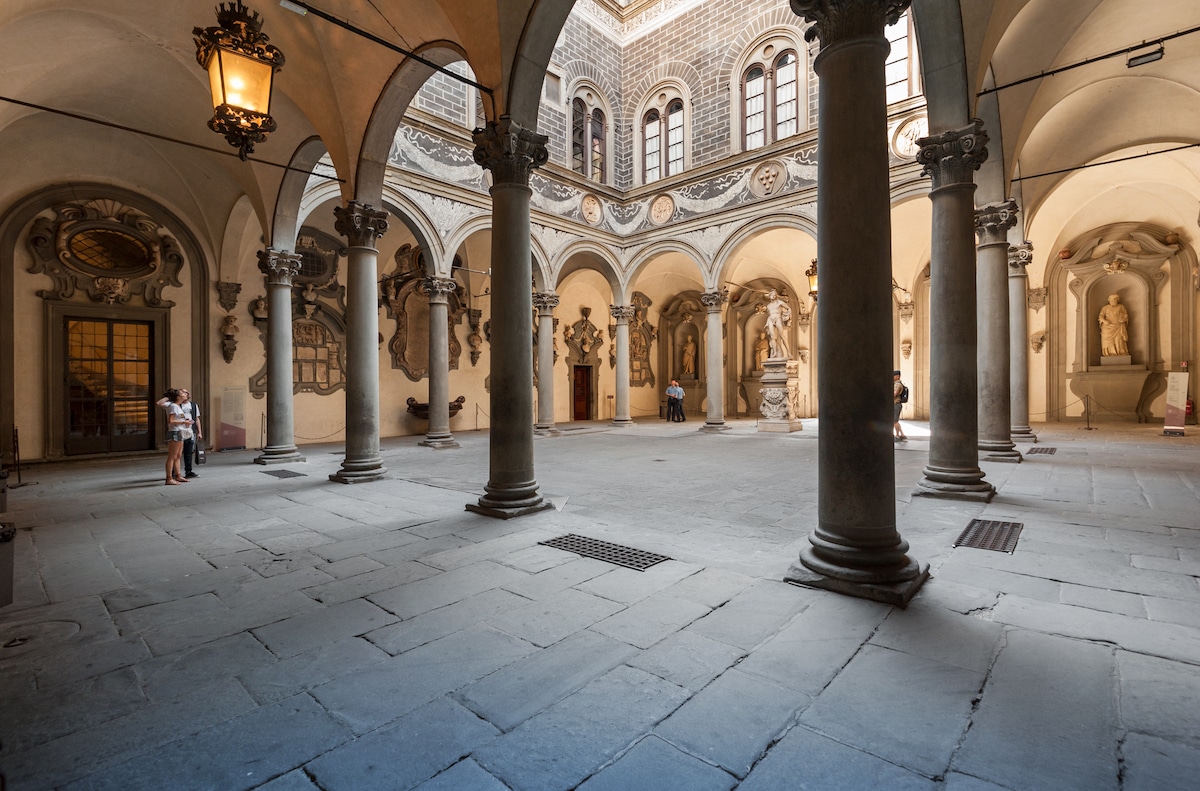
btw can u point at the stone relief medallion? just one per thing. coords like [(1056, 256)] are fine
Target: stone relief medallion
[(908, 132), (768, 178), (661, 209), (591, 209)]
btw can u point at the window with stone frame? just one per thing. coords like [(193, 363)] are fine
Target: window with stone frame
[(771, 97), (589, 136), (664, 139)]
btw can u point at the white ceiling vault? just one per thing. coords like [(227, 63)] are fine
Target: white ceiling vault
[(132, 63)]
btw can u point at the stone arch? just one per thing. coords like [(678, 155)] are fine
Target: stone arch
[(943, 63), (588, 254), (414, 218), (647, 254), (293, 191), (535, 46), (723, 259)]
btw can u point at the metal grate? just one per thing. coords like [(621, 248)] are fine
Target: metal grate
[(990, 534), (1046, 451), (283, 473), (630, 558)]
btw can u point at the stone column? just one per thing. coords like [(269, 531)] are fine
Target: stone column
[(856, 548), (437, 434), (361, 225), (621, 315), (714, 357), (992, 223), (1019, 257), (545, 302), (279, 268), (511, 153), (953, 469)]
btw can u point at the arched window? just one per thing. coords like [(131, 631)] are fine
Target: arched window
[(652, 125), (597, 145), (578, 134), (773, 85), (674, 138), (754, 88), (589, 146)]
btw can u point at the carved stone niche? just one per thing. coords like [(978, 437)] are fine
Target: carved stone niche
[(641, 335), (110, 251), (408, 305)]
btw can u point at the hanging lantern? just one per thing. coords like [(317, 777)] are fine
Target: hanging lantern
[(811, 273), (241, 66)]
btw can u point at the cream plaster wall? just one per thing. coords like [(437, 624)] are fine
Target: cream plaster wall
[(29, 337)]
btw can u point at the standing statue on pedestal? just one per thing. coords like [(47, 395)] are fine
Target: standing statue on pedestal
[(779, 315), (689, 356), (1114, 328)]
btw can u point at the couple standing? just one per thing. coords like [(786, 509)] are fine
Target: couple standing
[(183, 427), (675, 402)]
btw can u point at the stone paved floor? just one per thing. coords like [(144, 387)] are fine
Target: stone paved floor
[(243, 631)]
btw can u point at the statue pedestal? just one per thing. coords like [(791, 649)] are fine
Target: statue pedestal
[(779, 402), (1114, 391), (1122, 359)]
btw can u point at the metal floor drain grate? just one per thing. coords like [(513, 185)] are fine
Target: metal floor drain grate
[(630, 558), (283, 473), (990, 534), (1046, 451)]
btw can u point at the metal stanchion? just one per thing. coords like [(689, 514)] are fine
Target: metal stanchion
[(1087, 413), (16, 444)]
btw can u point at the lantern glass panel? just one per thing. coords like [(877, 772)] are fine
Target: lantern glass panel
[(240, 81)]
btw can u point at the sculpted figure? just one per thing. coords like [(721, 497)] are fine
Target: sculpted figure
[(761, 348), (1114, 328), (779, 314), (689, 356)]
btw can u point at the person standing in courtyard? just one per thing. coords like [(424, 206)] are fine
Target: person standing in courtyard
[(191, 410), (177, 425), (899, 399), (675, 402)]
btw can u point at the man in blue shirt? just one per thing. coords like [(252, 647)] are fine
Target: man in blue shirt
[(675, 402)]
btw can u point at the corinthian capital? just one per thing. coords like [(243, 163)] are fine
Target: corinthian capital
[(713, 300), (952, 157), (509, 150), (622, 313), (279, 266), (438, 288), (545, 302), (993, 221), (1020, 256), (360, 224), (837, 20)]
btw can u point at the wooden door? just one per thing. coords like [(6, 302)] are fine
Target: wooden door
[(581, 393)]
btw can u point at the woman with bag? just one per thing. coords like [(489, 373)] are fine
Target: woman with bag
[(178, 425)]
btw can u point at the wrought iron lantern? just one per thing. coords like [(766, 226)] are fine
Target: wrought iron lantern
[(811, 273), (241, 66)]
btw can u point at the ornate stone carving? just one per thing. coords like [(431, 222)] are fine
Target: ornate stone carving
[(906, 349), (713, 300), (803, 356), (1020, 256), (768, 179), (908, 132), (661, 209), (406, 294), (583, 339), (641, 336), (1116, 266), (952, 157), (509, 150), (545, 302), (993, 221), (591, 209), (111, 251), (475, 338), (434, 287), (1036, 341), (1036, 298), (836, 20), (360, 224), (278, 266), (612, 345), (227, 294), (621, 312), (228, 331), (906, 310)]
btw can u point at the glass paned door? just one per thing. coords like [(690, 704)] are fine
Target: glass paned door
[(108, 371)]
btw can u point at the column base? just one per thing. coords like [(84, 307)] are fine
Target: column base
[(981, 492), (622, 423), (439, 443), (897, 594), (282, 454), (1023, 434), (990, 450), (715, 428), (359, 472), (507, 511), (546, 431)]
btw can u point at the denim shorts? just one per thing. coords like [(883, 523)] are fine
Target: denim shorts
[(174, 435)]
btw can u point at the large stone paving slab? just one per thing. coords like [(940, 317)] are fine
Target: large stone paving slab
[(806, 761), (652, 763)]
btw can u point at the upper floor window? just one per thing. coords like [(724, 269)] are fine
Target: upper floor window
[(589, 145), (663, 141), (771, 99), (901, 69)]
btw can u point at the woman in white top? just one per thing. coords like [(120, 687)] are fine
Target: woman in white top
[(177, 424)]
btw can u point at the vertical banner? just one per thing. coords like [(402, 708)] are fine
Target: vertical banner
[(233, 418), (1176, 404)]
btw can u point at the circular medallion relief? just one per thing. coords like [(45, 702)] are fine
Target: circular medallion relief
[(661, 209), (768, 179), (908, 132), (591, 209)]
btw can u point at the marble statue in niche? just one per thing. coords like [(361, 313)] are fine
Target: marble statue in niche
[(1114, 328), (779, 314), (762, 347), (689, 356)]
